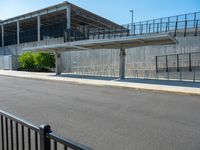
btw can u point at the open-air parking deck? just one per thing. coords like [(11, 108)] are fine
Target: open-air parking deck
[(78, 30)]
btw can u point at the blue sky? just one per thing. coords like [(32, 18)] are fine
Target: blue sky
[(115, 10)]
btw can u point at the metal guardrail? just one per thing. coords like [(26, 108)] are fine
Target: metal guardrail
[(178, 62), (19, 134), (168, 24)]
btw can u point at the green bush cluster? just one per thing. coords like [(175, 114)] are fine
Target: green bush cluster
[(39, 61)]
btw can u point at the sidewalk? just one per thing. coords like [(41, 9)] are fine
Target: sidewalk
[(154, 85)]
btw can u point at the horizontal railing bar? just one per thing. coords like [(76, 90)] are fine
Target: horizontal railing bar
[(19, 120), (170, 17), (179, 54), (67, 142)]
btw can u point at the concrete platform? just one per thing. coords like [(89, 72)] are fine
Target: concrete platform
[(154, 85)]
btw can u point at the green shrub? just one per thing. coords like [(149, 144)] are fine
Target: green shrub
[(44, 60), (40, 61), (27, 61)]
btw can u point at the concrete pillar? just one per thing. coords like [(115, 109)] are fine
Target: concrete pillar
[(68, 25), (38, 26), (58, 63), (18, 30), (68, 16), (2, 35), (122, 57)]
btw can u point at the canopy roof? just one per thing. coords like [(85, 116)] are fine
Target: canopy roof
[(78, 16), (120, 42)]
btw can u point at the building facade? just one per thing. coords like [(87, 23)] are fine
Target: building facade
[(66, 22)]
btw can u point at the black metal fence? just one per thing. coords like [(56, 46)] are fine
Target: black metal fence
[(178, 62), (183, 23), (173, 23), (18, 134)]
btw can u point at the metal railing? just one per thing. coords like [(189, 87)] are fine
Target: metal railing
[(184, 23), (178, 62), (19, 134)]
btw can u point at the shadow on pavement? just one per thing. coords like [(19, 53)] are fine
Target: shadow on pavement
[(163, 82), (136, 80), (87, 77)]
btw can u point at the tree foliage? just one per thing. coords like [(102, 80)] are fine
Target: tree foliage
[(40, 61)]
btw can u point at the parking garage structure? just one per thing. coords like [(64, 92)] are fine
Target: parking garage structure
[(67, 27)]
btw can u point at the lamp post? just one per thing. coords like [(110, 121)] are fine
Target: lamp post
[(132, 12)]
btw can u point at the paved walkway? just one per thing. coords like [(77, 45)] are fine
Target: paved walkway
[(155, 85)]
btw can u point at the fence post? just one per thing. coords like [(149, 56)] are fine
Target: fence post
[(195, 34), (45, 143), (156, 64), (190, 63)]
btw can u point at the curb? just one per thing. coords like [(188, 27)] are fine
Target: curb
[(149, 87)]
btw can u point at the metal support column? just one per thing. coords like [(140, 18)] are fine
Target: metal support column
[(18, 30), (122, 63), (2, 35), (38, 27), (68, 18), (58, 63)]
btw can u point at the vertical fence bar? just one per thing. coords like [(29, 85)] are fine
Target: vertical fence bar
[(168, 23), (161, 25), (196, 28), (29, 139), (7, 143), (2, 132), (149, 28), (177, 59), (11, 134), (65, 148), (22, 133), (166, 27), (157, 27), (175, 28), (104, 33), (156, 64), (98, 33), (185, 25), (36, 140), (115, 32), (128, 32), (109, 32), (195, 16), (55, 145), (167, 64), (45, 143), (17, 136), (153, 25), (190, 62)]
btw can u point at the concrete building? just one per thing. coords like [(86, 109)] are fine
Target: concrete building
[(87, 44)]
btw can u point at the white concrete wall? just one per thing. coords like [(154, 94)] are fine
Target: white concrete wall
[(17, 49), (1, 62), (139, 61)]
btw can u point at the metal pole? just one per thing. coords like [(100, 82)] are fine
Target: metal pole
[(68, 18), (2, 35), (18, 31), (38, 27), (122, 63), (132, 13), (45, 143)]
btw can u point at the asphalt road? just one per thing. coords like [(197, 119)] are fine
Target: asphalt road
[(106, 118)]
